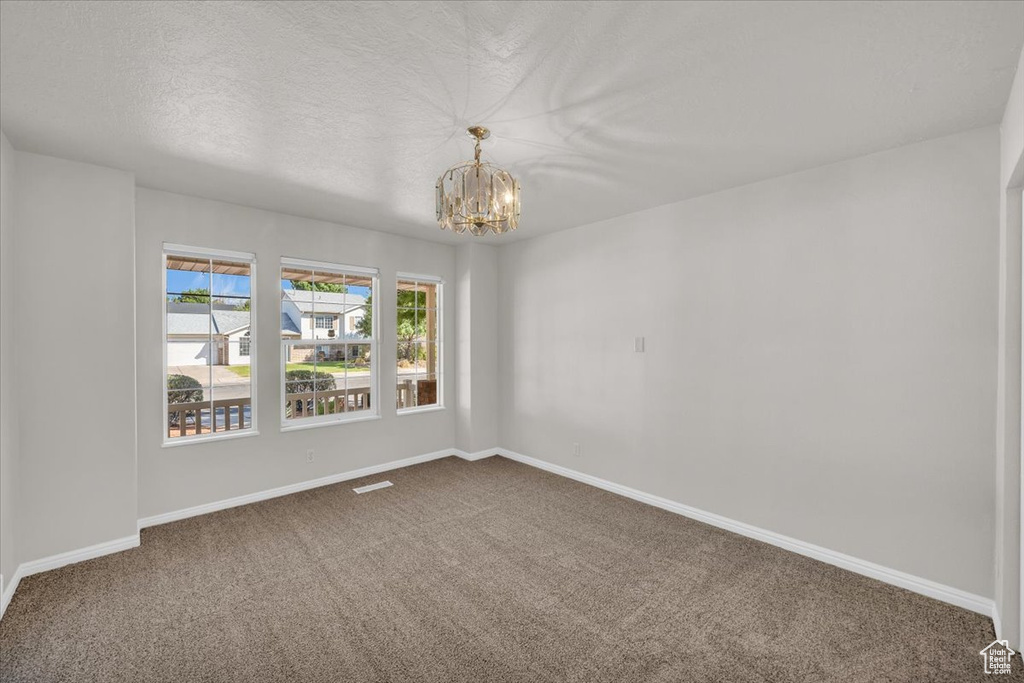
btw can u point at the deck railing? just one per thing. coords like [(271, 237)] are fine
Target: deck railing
[(307, 404), (185, 419)]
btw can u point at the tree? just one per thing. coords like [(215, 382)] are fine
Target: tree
[(306, 381), (410, 324), (192, 296), (306, 286), (183, 389), (202, 296)]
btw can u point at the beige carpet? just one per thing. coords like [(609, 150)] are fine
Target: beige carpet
[(485, 571)]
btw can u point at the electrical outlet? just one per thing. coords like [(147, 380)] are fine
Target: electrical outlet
[(309, 455), (577, 450)]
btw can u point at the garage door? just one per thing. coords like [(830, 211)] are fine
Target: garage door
[(188, 353)]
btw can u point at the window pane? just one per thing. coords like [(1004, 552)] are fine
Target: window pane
[(359, 286), (409, 328), (298, 283), (358, 396), (428, 324), (418, 343), (297, 306), (188, 304), (188, 279), (333, 283), (358, 379), (231, 278), (300, 354), (237, 373), (358, 323), (406, 297), (426, 391), (359, 360), (231, 403), (188, 407), (299, 384), (428, 295), (190, 355), (431, 359)]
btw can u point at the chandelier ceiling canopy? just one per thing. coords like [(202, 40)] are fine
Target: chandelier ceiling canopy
[(477, 196)]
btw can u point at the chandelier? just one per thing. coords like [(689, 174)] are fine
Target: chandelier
[(477, 196)]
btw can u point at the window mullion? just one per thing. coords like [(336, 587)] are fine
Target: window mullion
[(209, 358)]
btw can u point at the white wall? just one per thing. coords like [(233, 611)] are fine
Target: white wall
[(176, 478), (476, 394), (820, 357), (235, 356), (1008, 434), (8, 406), (76, 391)]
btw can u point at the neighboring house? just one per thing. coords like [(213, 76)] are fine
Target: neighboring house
[(321, 315), (190, 326)]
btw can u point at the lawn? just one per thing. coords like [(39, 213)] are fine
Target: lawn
[(333, 366)]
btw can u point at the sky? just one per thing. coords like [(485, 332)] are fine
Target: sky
[(226, 286)]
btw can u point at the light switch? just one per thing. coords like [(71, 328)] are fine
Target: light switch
[(638, 344)]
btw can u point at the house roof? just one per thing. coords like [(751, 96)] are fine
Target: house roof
[(322, 302), (288, 325), (195, 319)]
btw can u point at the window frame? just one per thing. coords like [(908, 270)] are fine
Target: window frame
[(169, 249), (439, 283), (329, 318), (373, 342)]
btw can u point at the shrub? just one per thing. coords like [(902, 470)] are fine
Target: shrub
[(183, 389), (304, 381)]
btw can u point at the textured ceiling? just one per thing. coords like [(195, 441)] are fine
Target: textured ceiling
[(348, 112)]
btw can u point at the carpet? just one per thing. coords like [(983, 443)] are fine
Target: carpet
[(472, 571)]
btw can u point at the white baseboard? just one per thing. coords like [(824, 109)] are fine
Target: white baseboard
[(55, 561), (997, 621), (63, 559), (916, 584), (948, 594), (248, 498), (479, 455), (8, 592)]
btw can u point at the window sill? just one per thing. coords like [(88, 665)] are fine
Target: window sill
[(327, 423), (223, 436), (416, 411)]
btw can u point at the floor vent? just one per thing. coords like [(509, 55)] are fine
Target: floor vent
[(372, 487)]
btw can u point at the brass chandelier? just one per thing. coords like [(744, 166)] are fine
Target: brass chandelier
[(477, 196)]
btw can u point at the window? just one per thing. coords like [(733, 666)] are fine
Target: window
[(419, 342), (326, 377), (209, 312)]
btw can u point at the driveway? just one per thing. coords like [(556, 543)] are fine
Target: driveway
[(229, 385), (221, 375)]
